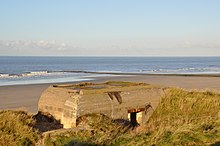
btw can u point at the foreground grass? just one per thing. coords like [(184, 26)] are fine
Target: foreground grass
[(93, 129), (187, 118), (16, 129), (181, 118)]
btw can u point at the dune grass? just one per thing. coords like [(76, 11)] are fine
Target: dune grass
[(181, 118), (186, 118), (16, 129), (93, 129)]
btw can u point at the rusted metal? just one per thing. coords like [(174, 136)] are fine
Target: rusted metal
[(136, 110)]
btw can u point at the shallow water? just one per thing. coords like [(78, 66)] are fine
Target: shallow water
[(29, 70)]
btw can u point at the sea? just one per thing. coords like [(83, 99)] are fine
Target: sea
[(33, 70)]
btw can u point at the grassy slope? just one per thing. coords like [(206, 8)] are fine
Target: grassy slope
[(99, 130), (16, 129), (182, 118)]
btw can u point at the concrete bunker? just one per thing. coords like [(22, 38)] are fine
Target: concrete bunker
[(118, 100), (135, 115)]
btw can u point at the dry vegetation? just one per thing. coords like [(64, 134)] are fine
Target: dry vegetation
[(16, 129), (93, 129), (182, 118)]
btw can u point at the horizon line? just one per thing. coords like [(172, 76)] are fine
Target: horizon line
[(106, 56)]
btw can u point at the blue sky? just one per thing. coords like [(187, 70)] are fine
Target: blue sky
[(110, 28)]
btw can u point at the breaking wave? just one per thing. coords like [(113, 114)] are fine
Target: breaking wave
[(34, 73), (191, 70), (4, 75)]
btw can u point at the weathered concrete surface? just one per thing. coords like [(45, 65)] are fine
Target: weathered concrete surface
[(114, 99)]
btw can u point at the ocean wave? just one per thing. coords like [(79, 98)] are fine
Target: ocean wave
[(4, 75), (10, 75), (189, 70), (35, 73), (118, 71), (40, 74), (40, 81)]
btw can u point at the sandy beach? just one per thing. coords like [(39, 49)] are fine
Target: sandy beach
[(25, 97)]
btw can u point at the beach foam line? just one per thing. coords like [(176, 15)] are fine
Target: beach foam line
[(209, 74), (152, 72), (4, 75), (43, 81), (189, 70), (10, 75), (35, 73)]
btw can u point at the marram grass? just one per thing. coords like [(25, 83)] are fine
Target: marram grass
[(16, 129), (182, 118)]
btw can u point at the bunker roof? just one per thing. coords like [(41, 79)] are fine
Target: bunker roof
[(111, 86)]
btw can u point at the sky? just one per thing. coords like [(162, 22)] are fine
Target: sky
[(109, 28)]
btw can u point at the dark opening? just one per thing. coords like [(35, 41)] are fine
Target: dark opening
[(133, 117)]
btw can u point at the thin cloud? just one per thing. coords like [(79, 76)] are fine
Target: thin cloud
[(41, 44)]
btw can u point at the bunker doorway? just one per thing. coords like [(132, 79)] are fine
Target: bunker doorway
[(135, 116)]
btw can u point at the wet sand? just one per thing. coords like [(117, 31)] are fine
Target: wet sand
[(25, 97)]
